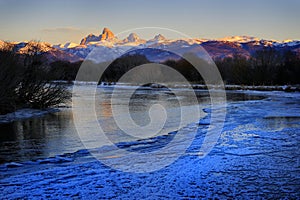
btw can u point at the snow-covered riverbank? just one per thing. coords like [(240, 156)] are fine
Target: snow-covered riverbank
[(25, 114), (285, 88)]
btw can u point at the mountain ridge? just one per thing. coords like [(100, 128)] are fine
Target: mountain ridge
[(109, 45)]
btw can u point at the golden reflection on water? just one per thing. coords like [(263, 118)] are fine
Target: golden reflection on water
[(105, 108)]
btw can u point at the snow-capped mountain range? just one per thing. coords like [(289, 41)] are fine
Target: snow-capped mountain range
[(106, 46)]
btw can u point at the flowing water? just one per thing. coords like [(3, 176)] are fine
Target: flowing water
[(55, 133)]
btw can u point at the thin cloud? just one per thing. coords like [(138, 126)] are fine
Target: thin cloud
[(61, 30)]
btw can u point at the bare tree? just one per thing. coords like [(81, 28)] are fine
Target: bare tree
[(10, 80), (37, 88)]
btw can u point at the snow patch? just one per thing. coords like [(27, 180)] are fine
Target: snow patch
[(25, 114)]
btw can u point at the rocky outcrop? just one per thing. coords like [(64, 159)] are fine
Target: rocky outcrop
[(106, 35), (89, 38)]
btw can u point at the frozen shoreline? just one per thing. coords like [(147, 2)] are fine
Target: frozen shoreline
[(285, 88), (26, 113)]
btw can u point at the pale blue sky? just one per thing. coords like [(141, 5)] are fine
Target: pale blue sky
[(59, 21)]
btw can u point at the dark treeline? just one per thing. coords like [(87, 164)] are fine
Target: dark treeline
[(27, 82), (64, 70), (122, 65), (187, 70), (125, 63), (265, 67)]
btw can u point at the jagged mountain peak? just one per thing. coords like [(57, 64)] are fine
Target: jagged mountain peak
[(133, 38), (159, 37), (90, 38), (107, 34)]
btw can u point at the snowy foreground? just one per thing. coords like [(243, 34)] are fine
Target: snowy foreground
[(257, 156)]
